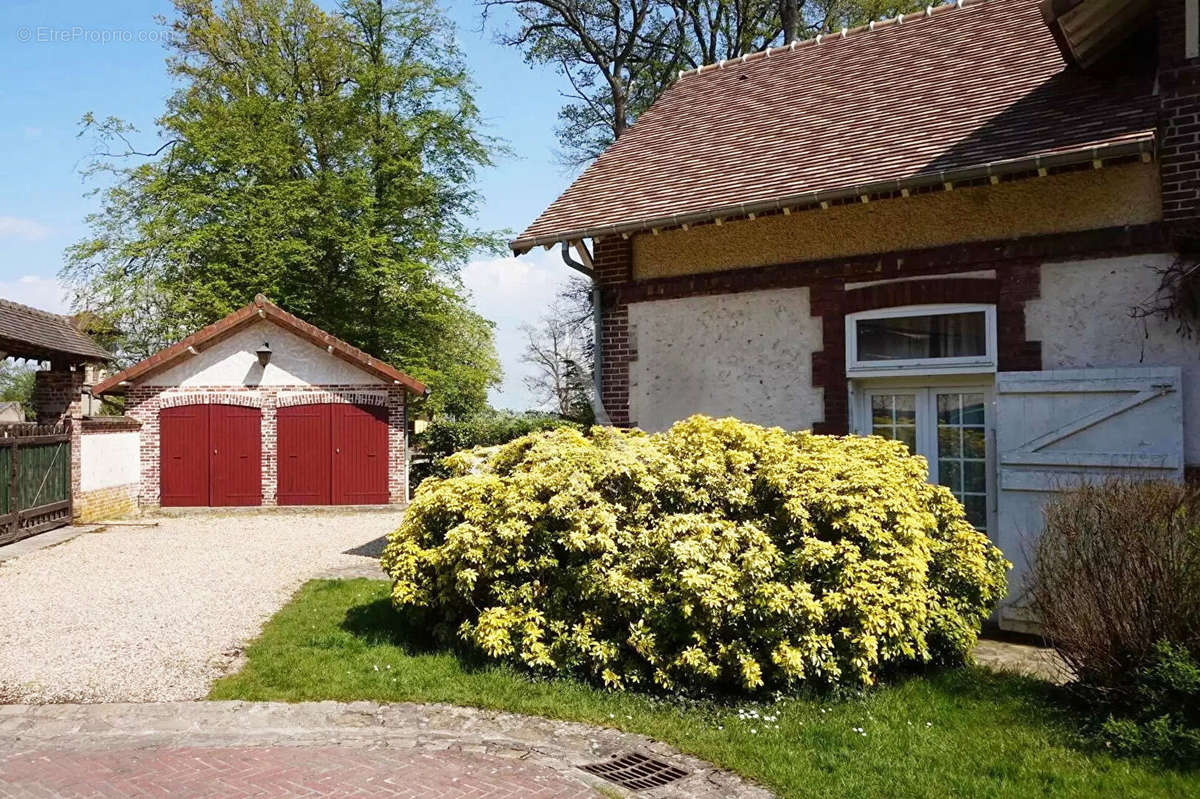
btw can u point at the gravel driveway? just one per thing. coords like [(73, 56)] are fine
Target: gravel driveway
[(143, 614)]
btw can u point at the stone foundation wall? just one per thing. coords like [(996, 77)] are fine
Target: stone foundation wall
[(112, 502)]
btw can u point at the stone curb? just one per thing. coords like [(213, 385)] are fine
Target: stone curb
[(561, 746)]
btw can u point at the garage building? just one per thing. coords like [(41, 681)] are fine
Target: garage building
[(262, 408)]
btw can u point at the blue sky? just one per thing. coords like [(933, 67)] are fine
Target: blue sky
[(62, 58)]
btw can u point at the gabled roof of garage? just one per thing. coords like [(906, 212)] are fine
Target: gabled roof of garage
[(261, 308)]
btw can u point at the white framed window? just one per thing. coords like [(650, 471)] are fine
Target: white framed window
[(921, 339)]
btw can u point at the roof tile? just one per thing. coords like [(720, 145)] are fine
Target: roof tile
[(31, 333), (964, 86)]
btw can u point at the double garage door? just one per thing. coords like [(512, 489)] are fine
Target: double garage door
[(211, 455)]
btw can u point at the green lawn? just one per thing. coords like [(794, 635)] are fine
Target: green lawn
[(963, 733)]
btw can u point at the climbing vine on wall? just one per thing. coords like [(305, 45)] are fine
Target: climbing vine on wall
[(1177, 297)]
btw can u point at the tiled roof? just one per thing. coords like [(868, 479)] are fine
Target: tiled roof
[(949, 92), (40, 335), (261, 308)]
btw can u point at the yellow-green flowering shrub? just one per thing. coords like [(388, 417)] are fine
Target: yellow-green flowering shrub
[(716, 555)]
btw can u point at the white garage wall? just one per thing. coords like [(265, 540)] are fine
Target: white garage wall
[(1082, 320), (108, 459), (747, 355), (232, 362)]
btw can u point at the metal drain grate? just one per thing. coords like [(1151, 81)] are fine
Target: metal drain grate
[(636, 771)]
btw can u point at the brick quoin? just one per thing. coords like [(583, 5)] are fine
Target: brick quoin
[(144, 403), (612, 260), (58, 397), (1178, 121), (1017, 263)]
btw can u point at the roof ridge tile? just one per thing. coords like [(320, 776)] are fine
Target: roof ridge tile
[(845, 33), (30, 308)]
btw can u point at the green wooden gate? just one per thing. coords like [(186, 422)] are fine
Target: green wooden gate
[(35, 480)]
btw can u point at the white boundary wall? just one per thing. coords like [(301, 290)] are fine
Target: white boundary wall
[(108, 459)]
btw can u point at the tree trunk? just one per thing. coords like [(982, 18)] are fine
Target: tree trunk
[(618, 121), (789, 18)]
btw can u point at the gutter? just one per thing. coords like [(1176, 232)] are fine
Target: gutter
[(1144, 145)]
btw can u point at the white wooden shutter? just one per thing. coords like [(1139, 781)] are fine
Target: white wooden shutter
[(1056, 429)]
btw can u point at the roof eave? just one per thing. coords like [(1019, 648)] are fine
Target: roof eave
[(261, 308), (17, 348), (1143, 144), (1086, 30)]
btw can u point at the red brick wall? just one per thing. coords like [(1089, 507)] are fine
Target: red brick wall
[(613, 262), (1016, 263), (58, 399), (1179, 119), (144, 402), (57, 394)]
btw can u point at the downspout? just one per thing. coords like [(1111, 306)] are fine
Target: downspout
[(597, 405)]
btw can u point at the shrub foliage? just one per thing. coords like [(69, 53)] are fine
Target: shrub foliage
[(1159, 713), (1116, 582), (447, 436), (1116, 570), (717, 555)]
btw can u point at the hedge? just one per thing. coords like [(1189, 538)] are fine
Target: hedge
[(718, 555)]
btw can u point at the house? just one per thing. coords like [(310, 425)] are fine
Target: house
[(262, 408), (957, 228), (11, 413)]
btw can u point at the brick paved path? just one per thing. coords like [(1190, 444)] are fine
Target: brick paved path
[(280, 772), (322, 749)]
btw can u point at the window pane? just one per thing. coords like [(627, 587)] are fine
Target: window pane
[(949, 442), (976, 507), (950, 476), (881, 410), (974, 477), (973, 442), (972, 409), (910, 337), (894, 417), (949, 408), (962, 449)]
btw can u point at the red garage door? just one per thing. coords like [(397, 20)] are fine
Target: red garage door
[(210, 455), (334, 454)]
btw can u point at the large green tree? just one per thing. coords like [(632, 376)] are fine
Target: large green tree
[(16, 385), (325, 159)]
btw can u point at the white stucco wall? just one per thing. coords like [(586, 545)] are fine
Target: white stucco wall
[(108, 459), (1082, 320), (747, 355), (232, 362)]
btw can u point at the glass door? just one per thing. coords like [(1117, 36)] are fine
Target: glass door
[(961, 462), (946, 425)]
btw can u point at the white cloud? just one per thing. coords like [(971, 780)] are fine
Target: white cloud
[(45, 293), (512, 292), (18, 227)]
